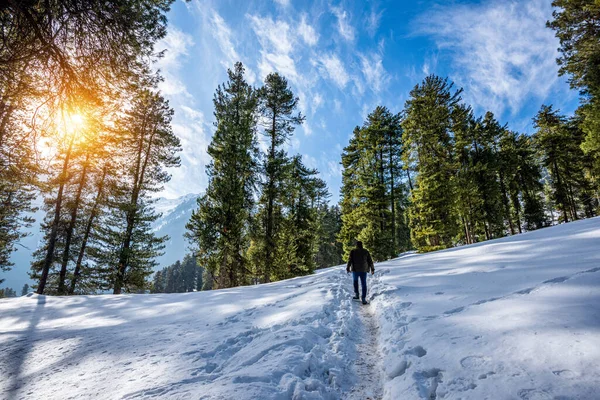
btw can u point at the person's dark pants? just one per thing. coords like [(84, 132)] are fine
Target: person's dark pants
[(363, 283)]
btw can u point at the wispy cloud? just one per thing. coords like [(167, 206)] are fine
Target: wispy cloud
[(176, 46), (372, 68), (222, 35), (277, 43), (271, 33), (335, 70), (373, 20), (343, 25), (307, 32), (501, 51), (190, 127)]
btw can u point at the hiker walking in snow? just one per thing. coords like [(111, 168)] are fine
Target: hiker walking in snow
[(360, 263)]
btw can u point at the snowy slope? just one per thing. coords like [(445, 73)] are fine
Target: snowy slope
[(516, 318)]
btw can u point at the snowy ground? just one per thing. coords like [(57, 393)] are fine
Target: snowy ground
[(517, 318)]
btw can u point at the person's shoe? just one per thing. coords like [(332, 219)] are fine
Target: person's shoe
[(365, 301), (355, 297)]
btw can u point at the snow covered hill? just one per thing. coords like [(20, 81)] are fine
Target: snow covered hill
[(516, 318)]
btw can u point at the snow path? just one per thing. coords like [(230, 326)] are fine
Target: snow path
[(367, 366)]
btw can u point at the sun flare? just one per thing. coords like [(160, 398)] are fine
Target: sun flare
[(77, 120), (71, 123)]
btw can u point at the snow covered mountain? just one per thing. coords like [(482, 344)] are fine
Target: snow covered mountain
[(175, 214), (514, 318)]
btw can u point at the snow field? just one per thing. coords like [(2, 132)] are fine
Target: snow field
[(292, 339), (515, 318)]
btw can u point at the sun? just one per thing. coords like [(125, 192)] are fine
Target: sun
[(71, 123), (77, 120)]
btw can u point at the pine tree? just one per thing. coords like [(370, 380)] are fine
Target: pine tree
[(126, 245), (18, 167), (575, 23), (93, 210), (277, 109), (373, 193), (559, 143), (158, 283), (199, 279), (350, 200), (25, 290), (189, 273), (330, 223), (69, 145), (428, 143), (7, 292), (297, 241), (218, 228)]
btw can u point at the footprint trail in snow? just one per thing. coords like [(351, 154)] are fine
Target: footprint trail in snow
[(367, 366)]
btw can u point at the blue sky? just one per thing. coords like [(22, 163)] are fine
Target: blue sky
[(343, 59)]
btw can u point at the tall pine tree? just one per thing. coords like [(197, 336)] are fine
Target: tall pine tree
[(126, 245), (219, 227), (278, 111), (428, 143)]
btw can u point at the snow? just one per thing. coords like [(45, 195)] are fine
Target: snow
[(515, 318), (166, 206)]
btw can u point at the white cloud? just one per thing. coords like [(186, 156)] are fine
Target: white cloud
[(281, 63), (335, 70), (307, 32), (176, 45), (272, 34), (190, 127), (375, 74), (176, 48), (195, 115), (307, 129), (501, 51), (310, 161), (337, 106), (316, 102), (334, 169), (284, 3), (344, 28), (277, 43), (222, 34), (372, 21)]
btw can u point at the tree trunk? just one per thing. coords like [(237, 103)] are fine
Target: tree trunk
[(410, 185), (86, 234), (561, 189), (55, 223), (132, 213), (393, 201), (270, 201), (65, 260), (505, 204)]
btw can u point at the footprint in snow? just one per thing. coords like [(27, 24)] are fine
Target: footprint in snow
[(475, 362), (565, 373), (416, 351), (534, 394)]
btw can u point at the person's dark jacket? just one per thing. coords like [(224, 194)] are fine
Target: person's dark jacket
[(360, 261)]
